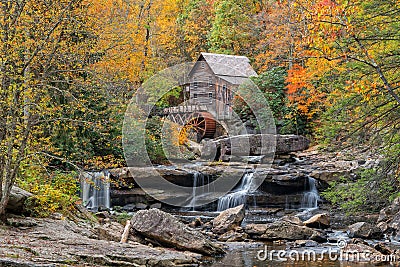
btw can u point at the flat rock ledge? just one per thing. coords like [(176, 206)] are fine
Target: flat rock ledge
[(47, 242)]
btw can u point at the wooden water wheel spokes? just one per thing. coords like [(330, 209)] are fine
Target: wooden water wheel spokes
[(201, 125)]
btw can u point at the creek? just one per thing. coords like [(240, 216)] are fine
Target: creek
[(289, 189)]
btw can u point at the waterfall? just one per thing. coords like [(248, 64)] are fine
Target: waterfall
[(95, 190), (198, 180), (200, 189), (310, 197), (238, 196)]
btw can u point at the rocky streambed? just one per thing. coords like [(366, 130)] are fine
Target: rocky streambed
[(270, 219), (157, 238)]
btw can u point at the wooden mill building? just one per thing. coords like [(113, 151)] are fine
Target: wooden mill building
[(209, 90)]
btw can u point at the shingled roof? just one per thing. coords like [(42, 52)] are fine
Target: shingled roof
[(234, 69)]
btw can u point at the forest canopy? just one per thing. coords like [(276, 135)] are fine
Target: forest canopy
[(330, 70)]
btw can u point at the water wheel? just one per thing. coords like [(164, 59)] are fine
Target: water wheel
[(201, 125)]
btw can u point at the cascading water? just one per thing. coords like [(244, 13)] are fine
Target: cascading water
[(201, 188), (198, 180), (311, 197), (95, 190), (238, 196)]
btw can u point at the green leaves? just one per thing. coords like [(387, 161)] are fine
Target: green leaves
[(370, 191), (233, 30)]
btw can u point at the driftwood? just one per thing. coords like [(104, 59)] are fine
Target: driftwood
[(125, 234)]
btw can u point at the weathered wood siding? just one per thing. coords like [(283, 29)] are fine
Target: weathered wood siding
[(208, 89)]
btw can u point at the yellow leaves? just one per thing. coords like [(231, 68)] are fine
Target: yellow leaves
[(135, 39), (366, 88), (183, 134), (104, 162)]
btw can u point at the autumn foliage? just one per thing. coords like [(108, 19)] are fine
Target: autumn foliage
[(69, 68)]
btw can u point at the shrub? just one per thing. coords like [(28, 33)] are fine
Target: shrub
[(54, 192), (370, 192)]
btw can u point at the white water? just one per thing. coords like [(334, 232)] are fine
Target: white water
[(200, 188), (95, 190), (198, 180), (238, 196), (310, 197)]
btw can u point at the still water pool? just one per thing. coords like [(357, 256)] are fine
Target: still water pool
[(246, 255)]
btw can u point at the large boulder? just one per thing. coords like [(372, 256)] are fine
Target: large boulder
[(228, 220), (291, 143), (16, 203), (362, 252), (251, 144), (320, 221), (279, 230), (364, 230), (162, 228)]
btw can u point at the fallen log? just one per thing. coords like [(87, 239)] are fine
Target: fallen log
[(125, 234)]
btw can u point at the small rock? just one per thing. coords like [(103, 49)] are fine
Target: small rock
[(280, 242), (319, 237), (359, 241), (387, 214), (305, 243), (102, 215), (196, 223), (129, 207), (292, 219), (141, 206), (155, 206), (256, 229), (383, 226), (211, 234), (238, 229), (232, 236), (56, 216), (228, 220), (364, 230), (320, 221), (382, 248)]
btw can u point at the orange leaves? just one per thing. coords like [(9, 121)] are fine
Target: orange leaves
[(301, 92), (297, 79), (327, 3)]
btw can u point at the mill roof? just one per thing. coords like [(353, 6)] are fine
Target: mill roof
[(233, 69)]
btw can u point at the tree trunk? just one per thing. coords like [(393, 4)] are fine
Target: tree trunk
[(3, 206)]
